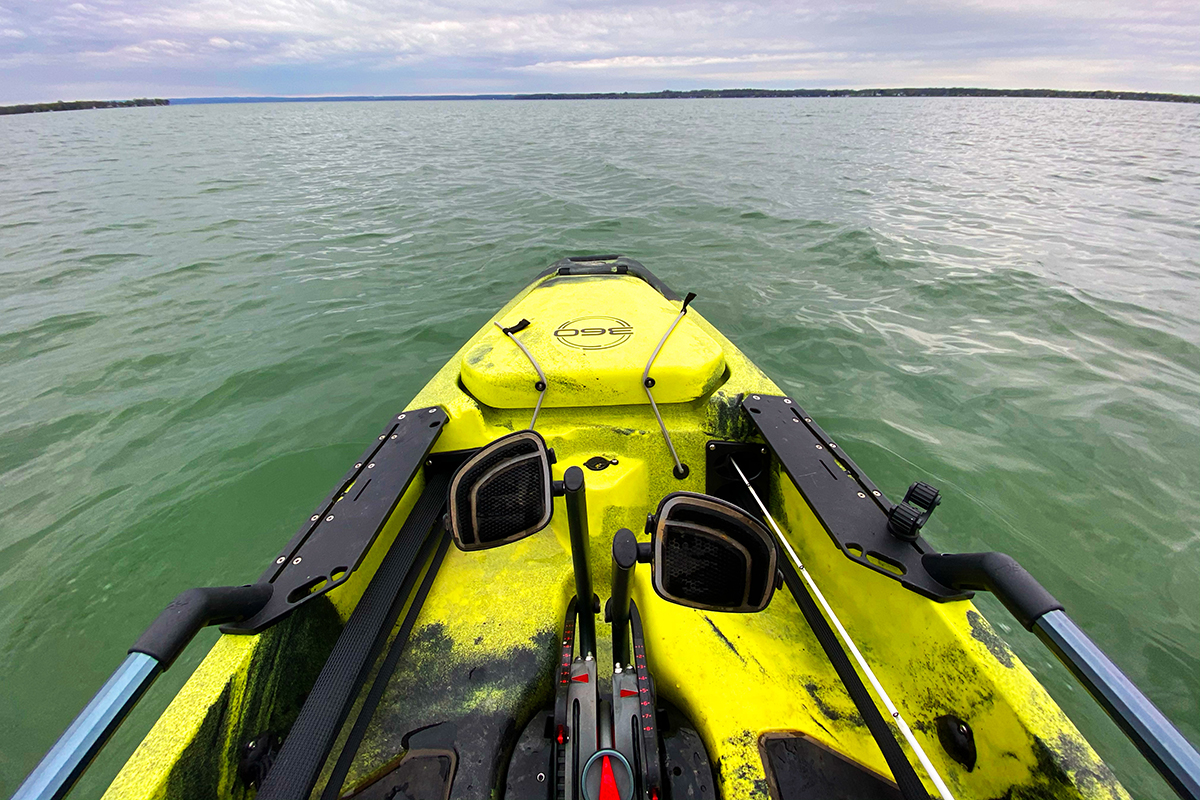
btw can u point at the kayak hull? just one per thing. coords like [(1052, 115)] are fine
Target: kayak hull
[(482, 654)]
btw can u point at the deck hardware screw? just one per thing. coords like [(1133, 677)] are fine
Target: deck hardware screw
[(314, 518), (381, 438), (795, 420), (329, 518), (860, 494), (876, 492), (359, 464), (432, 410), (712, 447), (962, 729), (756, 397), (808, 419), (281, 559), (820, 448), (371, 465), (394, 435), (401, 416), (786, 401), (297, 560), (541, 777), (429, 463), (832, 445), (763, 451)]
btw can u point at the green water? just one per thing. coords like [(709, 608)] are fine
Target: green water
[(205, 311)]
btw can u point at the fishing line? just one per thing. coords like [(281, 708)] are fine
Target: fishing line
[(647, 382), (541, 383), (943, 790)]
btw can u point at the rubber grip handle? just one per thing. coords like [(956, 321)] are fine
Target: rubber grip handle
[(192, 610), (1021, 594)]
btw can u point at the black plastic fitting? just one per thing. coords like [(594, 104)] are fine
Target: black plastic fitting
[(194, 609), (1000, 574), (904, 522)]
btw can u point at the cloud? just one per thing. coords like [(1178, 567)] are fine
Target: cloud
[(401, 46)]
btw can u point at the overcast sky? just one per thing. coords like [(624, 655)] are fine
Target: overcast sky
[(98, 49)]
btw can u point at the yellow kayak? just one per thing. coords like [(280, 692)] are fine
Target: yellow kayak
[(602, 555)]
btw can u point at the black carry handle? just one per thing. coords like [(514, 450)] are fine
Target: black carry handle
[(1158, 740), (154, 651), (1021, 594), (194, 609)]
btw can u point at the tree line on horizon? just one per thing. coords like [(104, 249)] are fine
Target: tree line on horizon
[(906, 92), (76, 105)]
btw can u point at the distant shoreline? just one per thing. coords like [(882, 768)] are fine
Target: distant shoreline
[(78, 105), (706, 94), (667, 94)]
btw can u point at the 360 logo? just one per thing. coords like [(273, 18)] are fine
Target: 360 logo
[(594, 332)]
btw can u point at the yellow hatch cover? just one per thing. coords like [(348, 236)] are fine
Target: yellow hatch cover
[(592, 336)]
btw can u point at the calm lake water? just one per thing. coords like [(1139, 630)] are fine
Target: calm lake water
[(205, 311)]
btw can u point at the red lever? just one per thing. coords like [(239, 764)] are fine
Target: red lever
[(608, 782)]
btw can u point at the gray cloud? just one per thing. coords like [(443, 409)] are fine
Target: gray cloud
[(61, 50)]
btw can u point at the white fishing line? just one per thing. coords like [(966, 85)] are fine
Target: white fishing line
[(943, 790)]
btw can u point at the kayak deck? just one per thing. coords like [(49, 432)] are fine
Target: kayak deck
[(480, 662)]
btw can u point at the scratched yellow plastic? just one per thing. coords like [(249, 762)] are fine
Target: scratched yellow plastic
[(737, 676)]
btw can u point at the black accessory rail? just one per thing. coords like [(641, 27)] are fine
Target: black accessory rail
[(315, 730), (853, 511), (333, 541), (1159, 741), (903, 773)]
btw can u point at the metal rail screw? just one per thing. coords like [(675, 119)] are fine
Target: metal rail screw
[(787, 401), (381, 438), (329, 518), (371, 465), (394, 435), (808, 419), (820, 448), (281, 559), (432, 410), (712, 447), (832, 445), (314, 518), (401, 416), (359, 464), (297, 560), (876, 493), (860, 494), (756, 397)]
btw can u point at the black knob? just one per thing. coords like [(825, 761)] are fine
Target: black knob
[(904, 522), (923, 495)]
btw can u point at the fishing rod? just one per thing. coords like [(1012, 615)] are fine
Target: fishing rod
[(943, 790)]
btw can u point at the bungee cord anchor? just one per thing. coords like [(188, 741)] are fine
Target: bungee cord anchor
[(681, 470)]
